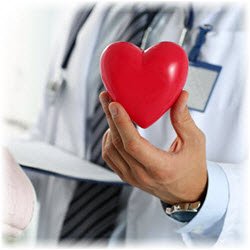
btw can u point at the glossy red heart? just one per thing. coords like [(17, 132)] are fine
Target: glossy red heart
[(146, 83)]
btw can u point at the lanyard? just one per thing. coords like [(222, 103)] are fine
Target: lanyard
[(201, 38), (82, 16)]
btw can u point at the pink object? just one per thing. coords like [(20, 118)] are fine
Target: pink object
[(18, 197)]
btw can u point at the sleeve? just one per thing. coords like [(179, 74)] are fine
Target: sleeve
[(219, 221)]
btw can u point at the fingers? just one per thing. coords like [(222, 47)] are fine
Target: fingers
[(181, 118), (128, 169), (115, 160), (116, 138), (137, 168), (105, 101), (133, 143), (105, 156)]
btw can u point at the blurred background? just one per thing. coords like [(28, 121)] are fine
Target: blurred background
[(27, 31)]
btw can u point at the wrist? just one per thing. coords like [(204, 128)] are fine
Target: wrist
[(185, 211)]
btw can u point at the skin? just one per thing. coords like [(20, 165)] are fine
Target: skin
[(176, 175)]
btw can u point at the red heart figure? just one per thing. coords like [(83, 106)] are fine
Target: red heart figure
[(146, 83)]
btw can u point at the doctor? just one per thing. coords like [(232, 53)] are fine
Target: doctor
[(185, 171)]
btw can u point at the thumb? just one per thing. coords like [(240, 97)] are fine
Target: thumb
[(180, 117)]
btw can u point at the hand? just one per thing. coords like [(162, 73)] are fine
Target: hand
[(175, 176)]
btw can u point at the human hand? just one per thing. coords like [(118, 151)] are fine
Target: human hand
[(175, 176)]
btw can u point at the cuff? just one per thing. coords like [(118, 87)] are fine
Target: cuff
[(215, 204)]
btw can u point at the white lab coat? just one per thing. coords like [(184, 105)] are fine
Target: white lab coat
[(222, 123)]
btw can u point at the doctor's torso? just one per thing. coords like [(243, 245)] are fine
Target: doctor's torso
[(221, 122)]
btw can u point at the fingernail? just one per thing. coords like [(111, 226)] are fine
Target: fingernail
[(184, 102), (104, 99), (183, 106), (113, 110)]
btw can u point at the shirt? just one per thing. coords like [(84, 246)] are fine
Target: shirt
[(142, 217)]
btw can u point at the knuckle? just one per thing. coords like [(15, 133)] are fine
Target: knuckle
[(131, 146), (123, 176), (120, 175), (104, 137), (127, 176), (106, 150), (141, 177), (104, 154), (184, 120), (200, 138), (119, 120), (132, 182), (110, 166), (144, 181), (108, 116), (117, 141)]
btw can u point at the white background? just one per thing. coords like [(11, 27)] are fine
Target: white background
[(26, 42)]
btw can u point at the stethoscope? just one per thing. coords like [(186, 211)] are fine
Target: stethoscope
[(58, 83), (187, 27)]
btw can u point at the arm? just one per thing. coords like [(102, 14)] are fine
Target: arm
[(221, 218), (170, 175)]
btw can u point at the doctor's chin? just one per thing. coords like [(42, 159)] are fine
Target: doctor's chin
[(124, 124)]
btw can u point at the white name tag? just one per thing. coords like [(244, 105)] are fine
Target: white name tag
[(200, 84)]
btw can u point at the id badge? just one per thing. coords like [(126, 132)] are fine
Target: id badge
[(201, 80)]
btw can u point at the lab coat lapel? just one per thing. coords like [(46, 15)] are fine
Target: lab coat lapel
[(71, 120)]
